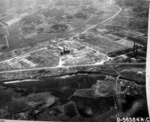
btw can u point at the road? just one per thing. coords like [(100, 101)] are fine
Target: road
[(108, 19), (6, 37), (45, 68)]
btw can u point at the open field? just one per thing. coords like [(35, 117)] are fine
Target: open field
[(38, 34), (103, 44), (39, 57)]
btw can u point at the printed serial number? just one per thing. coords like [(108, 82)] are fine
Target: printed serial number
[(133, 119)]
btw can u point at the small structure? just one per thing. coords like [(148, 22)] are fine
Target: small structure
[(64, 51)]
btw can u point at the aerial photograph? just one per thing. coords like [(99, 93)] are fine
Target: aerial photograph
[(73, 60)]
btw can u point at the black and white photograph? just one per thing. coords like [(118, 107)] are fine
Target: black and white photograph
[(74, 60)]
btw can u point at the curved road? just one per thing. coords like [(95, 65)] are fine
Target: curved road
[(119, 10)]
